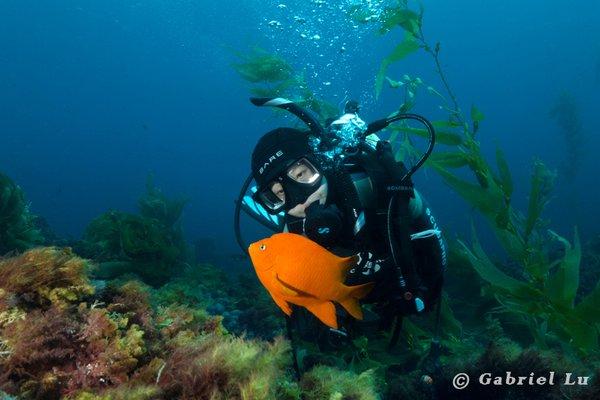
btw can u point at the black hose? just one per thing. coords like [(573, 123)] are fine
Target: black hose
[(236, 216), (288, 105), (378, 125), (290, 335)]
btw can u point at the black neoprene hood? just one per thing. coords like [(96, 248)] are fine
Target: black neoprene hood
[(275, 151)]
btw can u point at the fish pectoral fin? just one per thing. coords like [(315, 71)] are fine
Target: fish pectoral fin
[(325, 311), (285, 289), (353, 307), (288, 289), (285, 307)]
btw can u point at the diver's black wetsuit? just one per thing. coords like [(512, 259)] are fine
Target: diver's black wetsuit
[(370, 242)]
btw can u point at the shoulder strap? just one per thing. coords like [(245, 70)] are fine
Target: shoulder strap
[(348, 198)]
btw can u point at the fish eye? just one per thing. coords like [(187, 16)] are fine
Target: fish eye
[(263, 247)]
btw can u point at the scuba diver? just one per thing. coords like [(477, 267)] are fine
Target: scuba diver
[(341, 187)]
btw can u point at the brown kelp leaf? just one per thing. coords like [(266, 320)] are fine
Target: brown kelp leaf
[(562, 286), (588, 308), (542, 183), (406, 47), (407, 19), (445, 137), (449, 160), (483, 199), (476, 114), (505, 180), (486, 268)]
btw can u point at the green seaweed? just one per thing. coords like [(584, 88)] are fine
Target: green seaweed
[(155, 205), (18, 231), (402, 50), (272, 76), (541, 297), (60, 339), (476, 117), (150, 245), (544, 304), (261, 66), (400, 16), (531, 295), (542, 182), (324, 382), (442, 136)]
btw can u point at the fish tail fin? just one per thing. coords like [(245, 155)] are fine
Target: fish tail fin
[(355, 293)]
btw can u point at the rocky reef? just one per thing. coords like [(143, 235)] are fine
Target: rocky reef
[(137, 319), (63, 337)]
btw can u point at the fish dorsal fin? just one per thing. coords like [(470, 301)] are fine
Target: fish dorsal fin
[(288, 289), (360, 291), (350, 262)]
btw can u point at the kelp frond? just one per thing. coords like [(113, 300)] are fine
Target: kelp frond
[(272, 76), (543, 293), (17, 224)]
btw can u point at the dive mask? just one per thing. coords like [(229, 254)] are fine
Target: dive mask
[(291, 188)]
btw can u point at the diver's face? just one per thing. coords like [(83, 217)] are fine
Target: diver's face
[(277, 190), (301, 172), (295, 189)]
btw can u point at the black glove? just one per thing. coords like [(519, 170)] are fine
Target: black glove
[(368, 269), (323, 224)]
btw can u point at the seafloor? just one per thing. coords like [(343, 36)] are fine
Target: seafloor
[(128, 312)]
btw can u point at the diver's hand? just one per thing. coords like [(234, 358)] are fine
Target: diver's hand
[(318, 196), (323, 223), (368, 269), (367, 264)]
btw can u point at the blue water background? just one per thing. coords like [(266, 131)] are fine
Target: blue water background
[(95, 95)]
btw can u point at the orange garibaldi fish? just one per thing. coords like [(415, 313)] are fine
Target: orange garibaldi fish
[(296, 270)]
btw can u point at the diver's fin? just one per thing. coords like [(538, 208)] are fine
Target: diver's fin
[(325, 311), (353, 307), (285, 307)]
